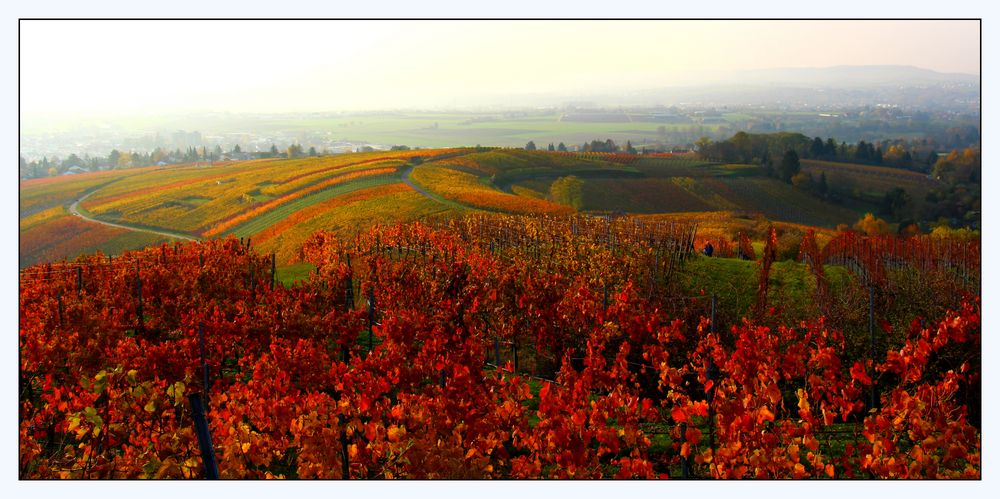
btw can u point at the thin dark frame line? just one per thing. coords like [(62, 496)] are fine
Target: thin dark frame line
[(502, 19)]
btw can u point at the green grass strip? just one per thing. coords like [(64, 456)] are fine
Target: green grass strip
[(257, 224)]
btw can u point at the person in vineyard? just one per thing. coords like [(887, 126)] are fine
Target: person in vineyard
[(708, 249)]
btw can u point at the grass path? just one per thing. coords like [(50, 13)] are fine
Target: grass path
[(74, 210)]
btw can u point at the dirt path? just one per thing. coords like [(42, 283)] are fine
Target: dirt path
[(74, 209), (406, 180), (405, 177)]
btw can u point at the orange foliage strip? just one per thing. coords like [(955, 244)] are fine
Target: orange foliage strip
[(869, 256), (466, 189), (263, 208), (510, 203), (320, 208), (378, 159)]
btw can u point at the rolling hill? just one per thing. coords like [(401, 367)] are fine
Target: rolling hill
[(278, 203)]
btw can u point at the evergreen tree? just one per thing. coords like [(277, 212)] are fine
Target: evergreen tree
[(816, 148), (789, 165)]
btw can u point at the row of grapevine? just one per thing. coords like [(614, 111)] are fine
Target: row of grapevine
[(384, 364)]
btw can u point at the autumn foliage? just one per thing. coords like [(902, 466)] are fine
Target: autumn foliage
[(594, 378)]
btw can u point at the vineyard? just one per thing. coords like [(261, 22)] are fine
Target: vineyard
[(499, 346), (247, 198), (466, 189)]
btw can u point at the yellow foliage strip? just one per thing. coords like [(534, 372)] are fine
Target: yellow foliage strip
[(145, 191), (347, 219), (321, 208), (263, 208), (305, 180), (466, 189), (42, 217)]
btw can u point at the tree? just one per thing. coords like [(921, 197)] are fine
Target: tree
[(552, 147), (294, 151), (530, 146), (816, 148), (894, 200), (236, 149), (803, 180), (872, 225), (561, 147), (830, 148), (789, 165), (113, 158), (124, 160), (274, 151), (312, 151), (568, 191), (821, 186), (702, 144)]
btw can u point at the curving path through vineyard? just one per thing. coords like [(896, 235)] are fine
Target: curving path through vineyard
[(405, 177), (74, 210)]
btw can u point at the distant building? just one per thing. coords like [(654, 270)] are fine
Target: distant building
[(75, 169)]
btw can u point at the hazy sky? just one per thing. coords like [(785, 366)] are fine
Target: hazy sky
[(87, 67)]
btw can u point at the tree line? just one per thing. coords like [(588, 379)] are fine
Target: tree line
[(919, 155), (606, 145), (117, 160)]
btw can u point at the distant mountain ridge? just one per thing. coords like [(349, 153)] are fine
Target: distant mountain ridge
[(847, 76)]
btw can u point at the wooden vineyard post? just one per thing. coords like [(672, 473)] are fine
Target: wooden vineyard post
[(204, 437), (273, 270), (713, 372), (79, 282), (138, 291), (496, 351), (712, 324), (442, 374), (204, 365), (371, 319), (345, 464), (871, 340), (513, 347)]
